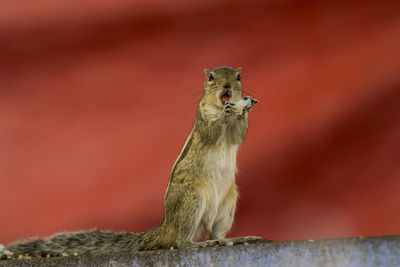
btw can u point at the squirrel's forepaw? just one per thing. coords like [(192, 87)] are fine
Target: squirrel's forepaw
[(230, 108)]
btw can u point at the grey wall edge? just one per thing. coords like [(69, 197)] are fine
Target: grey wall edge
[(356, 251)]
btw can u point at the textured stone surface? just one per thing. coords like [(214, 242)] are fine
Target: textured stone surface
[(359, 251)]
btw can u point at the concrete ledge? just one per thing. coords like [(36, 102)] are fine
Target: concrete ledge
[(359, 251)]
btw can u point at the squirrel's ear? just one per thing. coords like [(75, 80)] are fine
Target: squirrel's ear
[(239, 70), (207, 73)]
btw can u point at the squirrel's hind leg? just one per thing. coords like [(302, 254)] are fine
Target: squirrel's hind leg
[(226, 212)]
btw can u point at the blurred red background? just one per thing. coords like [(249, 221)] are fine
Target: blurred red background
[(97, 97)]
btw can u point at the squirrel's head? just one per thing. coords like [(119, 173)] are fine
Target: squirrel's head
[(223, 84)]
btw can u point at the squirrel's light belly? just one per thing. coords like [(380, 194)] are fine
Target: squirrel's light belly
[(220, 175), (220, 171), (221, 167)]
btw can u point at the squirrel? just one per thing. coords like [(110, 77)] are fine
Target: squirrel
[(201, 194)]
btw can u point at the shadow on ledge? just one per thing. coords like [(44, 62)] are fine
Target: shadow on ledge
[(358, 251)]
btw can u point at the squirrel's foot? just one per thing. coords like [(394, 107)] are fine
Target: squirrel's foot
[(5, 253), (228, 241)]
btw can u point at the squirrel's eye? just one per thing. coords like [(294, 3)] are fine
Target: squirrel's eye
[(210, 77), (238, 77)]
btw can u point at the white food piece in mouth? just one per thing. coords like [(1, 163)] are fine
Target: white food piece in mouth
[(243, 102), (239, 105)]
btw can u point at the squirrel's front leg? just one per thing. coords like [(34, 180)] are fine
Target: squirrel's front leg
[(238, 118), (210, 121)]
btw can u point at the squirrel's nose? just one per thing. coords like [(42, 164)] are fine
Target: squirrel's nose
[(227, 86)]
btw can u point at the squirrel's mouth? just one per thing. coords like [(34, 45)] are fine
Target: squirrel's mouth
[(225, 96)]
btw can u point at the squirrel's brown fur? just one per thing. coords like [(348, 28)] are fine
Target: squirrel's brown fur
[(201, 195)]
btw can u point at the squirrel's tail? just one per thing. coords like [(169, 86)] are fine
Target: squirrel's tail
[(81, 243)]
